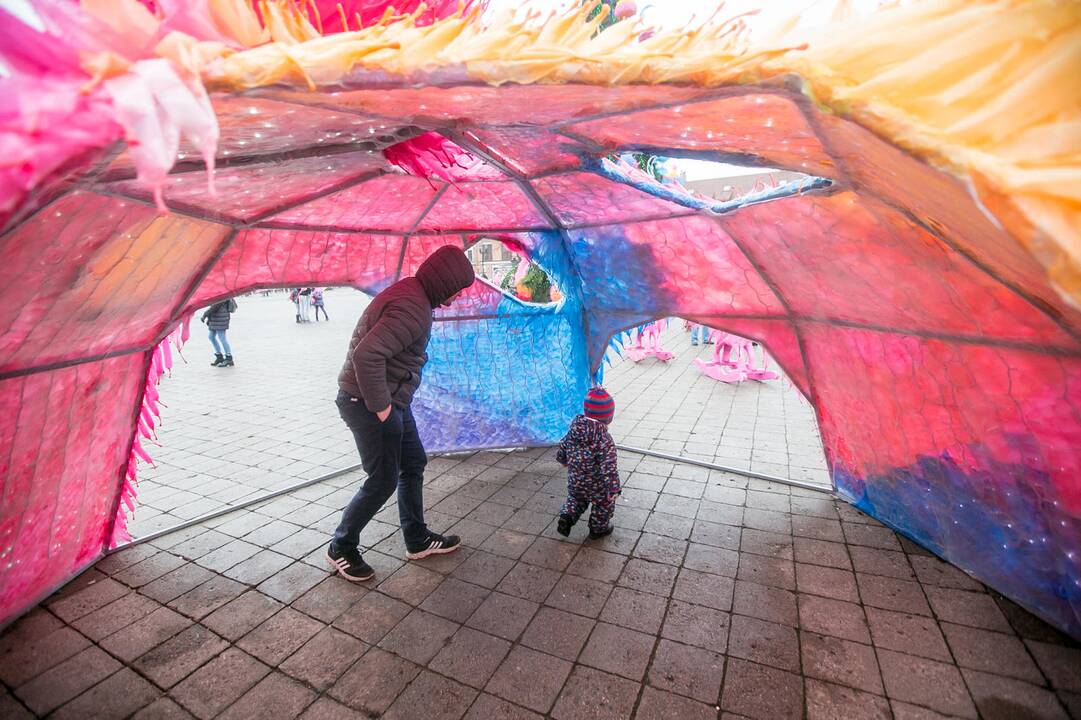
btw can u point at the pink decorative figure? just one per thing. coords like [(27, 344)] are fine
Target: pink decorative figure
[(651, 333), (626, 9), (733, 360), (161, 362)]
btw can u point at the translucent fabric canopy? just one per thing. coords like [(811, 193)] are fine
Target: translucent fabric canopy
[(943, 363)]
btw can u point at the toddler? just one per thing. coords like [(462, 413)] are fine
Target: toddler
[(589, 453)]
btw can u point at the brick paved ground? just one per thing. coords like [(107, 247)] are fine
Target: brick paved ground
[(716, 597)]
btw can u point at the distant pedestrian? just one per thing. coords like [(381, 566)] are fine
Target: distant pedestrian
[(317, 303), (589, 454), (701, 333), (294, 297), (305, 298), (217, 318)]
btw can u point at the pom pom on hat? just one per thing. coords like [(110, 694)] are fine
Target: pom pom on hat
[(599, 405)]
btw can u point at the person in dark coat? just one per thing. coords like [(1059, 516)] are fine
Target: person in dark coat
[(376, 385), (216, 318)]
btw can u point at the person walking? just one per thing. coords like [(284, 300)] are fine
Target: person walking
[(701, 333), (305, 299), (589, 454), (698, 333), (217, 318), (294, 297), (317, 303), (375, 389)]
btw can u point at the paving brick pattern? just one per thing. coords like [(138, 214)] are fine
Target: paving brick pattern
[(716, 597), (825, 614)]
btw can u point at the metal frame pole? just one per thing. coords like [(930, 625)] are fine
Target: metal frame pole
[(725, 468)]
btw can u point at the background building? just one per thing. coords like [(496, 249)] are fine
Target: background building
[(492, 260)]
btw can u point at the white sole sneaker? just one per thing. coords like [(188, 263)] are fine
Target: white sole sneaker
[(341, 565), (439, 550)]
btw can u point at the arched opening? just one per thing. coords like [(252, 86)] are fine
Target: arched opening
[(230, 434), (672, 402), (504, 264)]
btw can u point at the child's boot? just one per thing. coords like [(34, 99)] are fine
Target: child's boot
[(228, 361), (566, 522), (218, 360), (595, 534)]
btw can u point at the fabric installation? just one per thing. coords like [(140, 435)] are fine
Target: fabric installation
[(920, 284)]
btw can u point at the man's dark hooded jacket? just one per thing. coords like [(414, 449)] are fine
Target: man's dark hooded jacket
[(387, 350)]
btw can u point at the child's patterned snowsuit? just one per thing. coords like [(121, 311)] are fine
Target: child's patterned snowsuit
[(589, 453)]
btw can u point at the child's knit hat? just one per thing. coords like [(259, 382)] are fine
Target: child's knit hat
[(600, 405)]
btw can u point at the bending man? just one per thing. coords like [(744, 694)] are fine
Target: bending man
[(376, 386)]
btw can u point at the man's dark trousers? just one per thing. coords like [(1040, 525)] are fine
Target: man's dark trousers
[(394, 458)]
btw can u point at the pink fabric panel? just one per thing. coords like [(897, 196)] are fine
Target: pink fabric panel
[(265, 258), (90, 275), (392, 202), (854, 259), (768, 126), (529, 150), (506, 105), (483, 206), (938, 200), (887, 399), (248, 191), (81, 168), (419, 247), (64, 439), (585, 198), (700, 269), (257, 126)]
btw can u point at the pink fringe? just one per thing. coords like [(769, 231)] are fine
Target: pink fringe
[(161, 361)]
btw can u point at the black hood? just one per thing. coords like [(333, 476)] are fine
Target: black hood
[(445, 273)]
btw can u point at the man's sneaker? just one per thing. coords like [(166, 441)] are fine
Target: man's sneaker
[(563, 527), (594, 534), (350, 565), (436, 544)]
